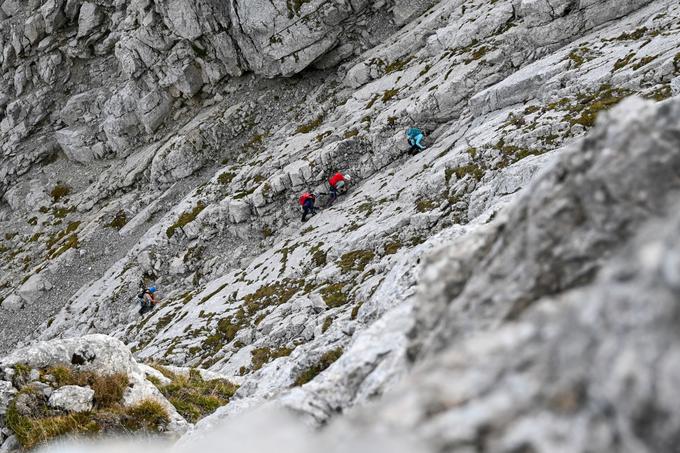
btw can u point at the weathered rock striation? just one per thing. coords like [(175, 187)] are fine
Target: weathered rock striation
[(471, 289)]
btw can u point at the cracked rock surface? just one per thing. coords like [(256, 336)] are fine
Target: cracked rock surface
[(508, 289)]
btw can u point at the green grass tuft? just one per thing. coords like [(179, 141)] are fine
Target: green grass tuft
[(59, 191), (333, 295), (119, 220), (309, 127), (356, 260), (194, 397), (185, 218)]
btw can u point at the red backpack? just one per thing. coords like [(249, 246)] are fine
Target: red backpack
[(306, 196), (335, 179)]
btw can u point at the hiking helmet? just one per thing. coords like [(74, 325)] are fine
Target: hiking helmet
[(348, 177), (152, 289)]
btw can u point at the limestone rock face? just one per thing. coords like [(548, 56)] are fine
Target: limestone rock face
[(167, 144), (279, 37)]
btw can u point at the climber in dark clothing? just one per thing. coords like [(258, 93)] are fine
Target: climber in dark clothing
[(307, 201), (146, 300), (339, 184)]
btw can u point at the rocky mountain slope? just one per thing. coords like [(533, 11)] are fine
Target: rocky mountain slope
[(462, 274)]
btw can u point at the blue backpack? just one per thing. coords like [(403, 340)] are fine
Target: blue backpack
[(414, 132)]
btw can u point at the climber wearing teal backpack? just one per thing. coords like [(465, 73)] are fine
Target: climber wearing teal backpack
[(415, 137)]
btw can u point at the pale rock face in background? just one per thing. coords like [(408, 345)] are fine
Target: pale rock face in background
[(511, 288)]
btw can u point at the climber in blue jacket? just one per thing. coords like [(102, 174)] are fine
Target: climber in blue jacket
[(415, 136)]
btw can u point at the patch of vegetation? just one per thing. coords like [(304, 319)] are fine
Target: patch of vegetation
[(475, 170), (59, 191), (321, 137), (576, 58), (35, 237), (326, 324), (333, 295), (365, 208), (243, 193), (108, 389), (148, 416), (623, 62), (661, 94), (119, 220), (262, 356), (425, 205), (515, 153), (355, 260), (71, 242), (373, 100), (210, 296), (324, 362), (477, 54), (226, 178), (22, 373), (319, 257), (585, 112), (226, 331), (425, 70), (351, 133), (267, 232), (108, 416), (644, 61), (273, 294), (34, 431), (389, 94), (397, 65), (255, 141), (185, 218), (61, 213), (393, 247), (310, 126), (355, 311), (194, 397), (632, 36)]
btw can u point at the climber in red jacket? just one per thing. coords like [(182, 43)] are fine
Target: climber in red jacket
[(339, 184), (307, 201)]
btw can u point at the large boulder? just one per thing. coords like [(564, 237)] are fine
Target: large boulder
[(91, 16), (13, 302), (100, 354), (153, 109), (72, 398), (27, 194), (32, 291), (80, 144)]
